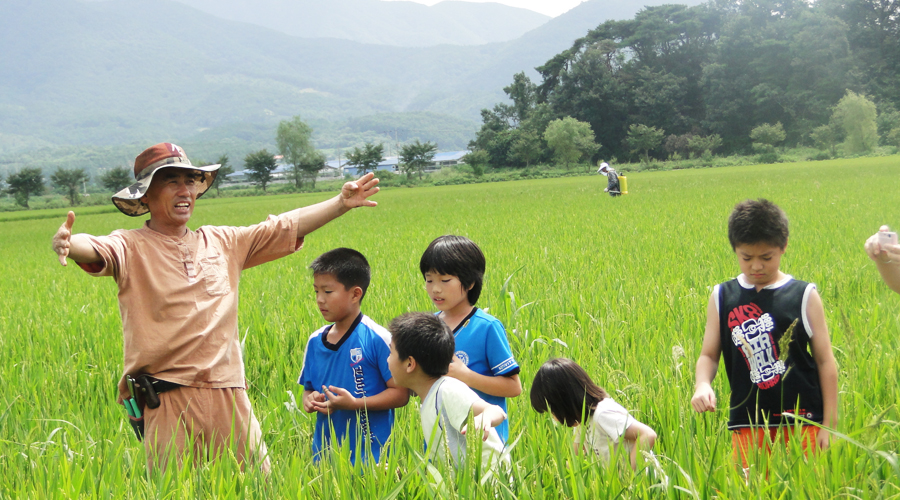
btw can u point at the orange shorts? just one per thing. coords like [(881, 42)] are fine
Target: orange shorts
[(211, 420), (748, 439)]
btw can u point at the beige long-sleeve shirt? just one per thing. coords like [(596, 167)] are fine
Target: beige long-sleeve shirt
[(178, 297)]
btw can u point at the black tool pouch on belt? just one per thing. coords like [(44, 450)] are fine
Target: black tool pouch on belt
[(148, 393)]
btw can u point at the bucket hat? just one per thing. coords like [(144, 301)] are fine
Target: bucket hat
[(162, 155), (603, 167)]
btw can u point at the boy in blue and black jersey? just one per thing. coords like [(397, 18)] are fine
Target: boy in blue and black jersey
[(770, 331), (345, 375), (453, 268)]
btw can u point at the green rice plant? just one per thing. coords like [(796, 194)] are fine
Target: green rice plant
[(618, 285)]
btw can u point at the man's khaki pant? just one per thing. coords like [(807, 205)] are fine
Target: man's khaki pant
[(210, 420)]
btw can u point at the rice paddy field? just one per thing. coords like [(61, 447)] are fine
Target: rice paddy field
[(619, 285)]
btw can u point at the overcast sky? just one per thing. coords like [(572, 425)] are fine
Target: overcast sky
[(551, 8)]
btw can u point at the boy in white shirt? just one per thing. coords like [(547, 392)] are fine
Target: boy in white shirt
[(422, 349)]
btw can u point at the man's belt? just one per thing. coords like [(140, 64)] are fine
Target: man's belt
[(148, 389), (161, 386)]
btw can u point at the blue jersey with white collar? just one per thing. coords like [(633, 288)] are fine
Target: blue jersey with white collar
[(482, 345), (358, 363)]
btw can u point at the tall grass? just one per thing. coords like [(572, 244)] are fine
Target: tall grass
[(620, 285)]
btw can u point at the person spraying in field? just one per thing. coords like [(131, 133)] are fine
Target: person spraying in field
[(612, 179), (178, 301), (770, 328)]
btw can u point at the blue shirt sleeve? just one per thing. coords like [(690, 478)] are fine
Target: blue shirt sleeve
[(377, 352), (499, 355), (306, 372), (382, 352)]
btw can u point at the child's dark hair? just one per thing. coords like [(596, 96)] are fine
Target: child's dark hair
[(426, 338), (456, 256), (564, 388), (757, 221), (348, 267)]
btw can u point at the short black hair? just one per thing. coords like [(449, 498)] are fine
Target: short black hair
[(456, 256), (757, 221), (564, 388), (426, 338), (349, 267)]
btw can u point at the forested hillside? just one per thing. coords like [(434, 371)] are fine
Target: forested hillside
[(718, 69)]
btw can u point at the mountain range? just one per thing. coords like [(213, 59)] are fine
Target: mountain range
[(403, 24), (111, 75)]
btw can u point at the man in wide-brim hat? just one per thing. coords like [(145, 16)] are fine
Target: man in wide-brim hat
[(152, 160), (178, 299)]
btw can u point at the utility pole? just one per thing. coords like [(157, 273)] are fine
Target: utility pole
[(396, 143), (340, 167)]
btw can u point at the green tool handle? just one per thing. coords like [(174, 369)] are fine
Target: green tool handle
[(131, 408)]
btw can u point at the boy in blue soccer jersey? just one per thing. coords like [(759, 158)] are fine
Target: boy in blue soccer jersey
[(453, 268), (345, 375)]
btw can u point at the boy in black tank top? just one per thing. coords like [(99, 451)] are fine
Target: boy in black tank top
[(771, 377)]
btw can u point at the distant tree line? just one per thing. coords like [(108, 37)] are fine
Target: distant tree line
[(729, 76), (294, 139), (29, 182)]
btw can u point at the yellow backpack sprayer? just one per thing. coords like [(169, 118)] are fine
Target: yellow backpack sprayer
[(623, 184)]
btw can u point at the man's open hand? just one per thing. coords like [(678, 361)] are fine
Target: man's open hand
[(356, 193), (62, 238)]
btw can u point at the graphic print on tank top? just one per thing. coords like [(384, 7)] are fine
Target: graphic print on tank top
[(752, 332)]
